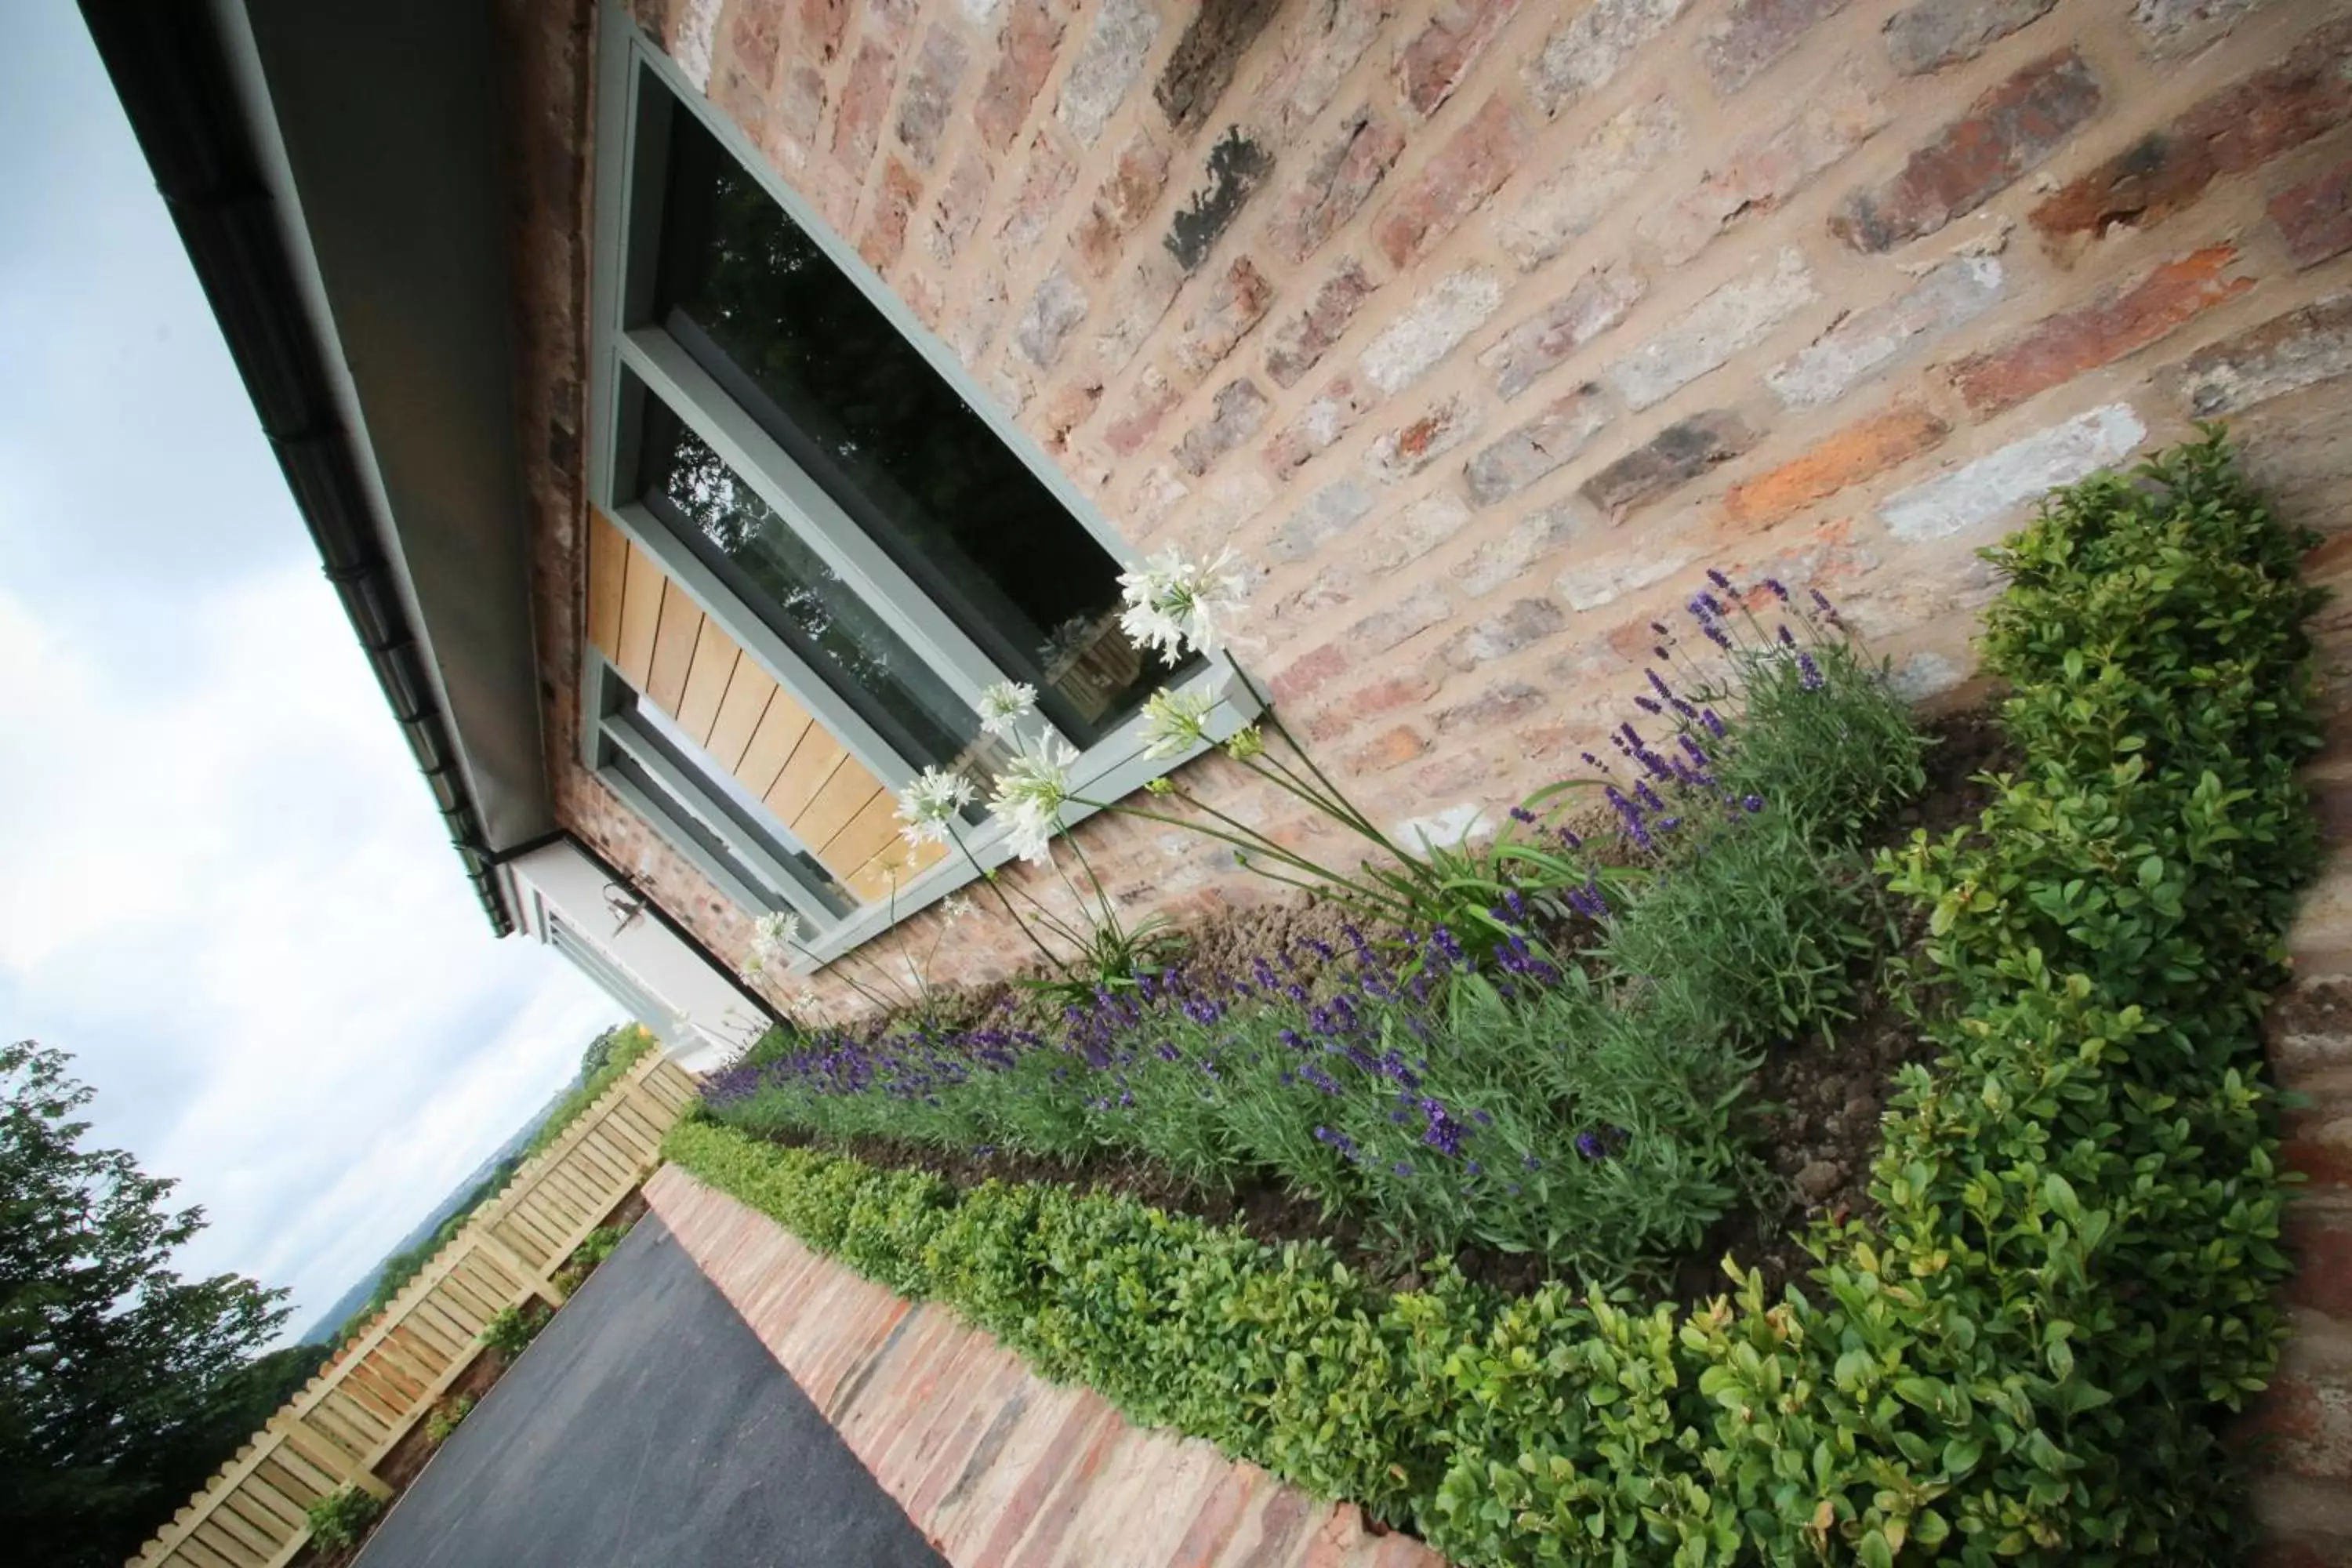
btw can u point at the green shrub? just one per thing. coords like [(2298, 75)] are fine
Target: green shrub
[(446, 1416), (340, 1519), (510, 1332), (2029, 1353)]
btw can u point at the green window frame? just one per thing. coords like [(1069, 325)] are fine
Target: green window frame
[(640, 90)]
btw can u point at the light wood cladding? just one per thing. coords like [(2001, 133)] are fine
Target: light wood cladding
[(684, 663), (894, 864), (715, 659), (608, 560), (740, 713), (681, 629), (641, 601)]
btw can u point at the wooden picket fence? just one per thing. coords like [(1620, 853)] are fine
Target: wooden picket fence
[(338, 1429)]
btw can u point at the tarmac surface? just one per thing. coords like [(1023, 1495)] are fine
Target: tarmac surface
[(646, 1424)]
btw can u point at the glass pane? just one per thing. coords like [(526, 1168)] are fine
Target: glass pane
[(716, 823), (757, 553), (748, 813), (746, 292)]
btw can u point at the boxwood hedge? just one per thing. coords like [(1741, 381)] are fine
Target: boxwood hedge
[(2025, 1356)]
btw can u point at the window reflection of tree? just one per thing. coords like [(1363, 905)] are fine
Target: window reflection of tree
[(710, 496), (923, 473)]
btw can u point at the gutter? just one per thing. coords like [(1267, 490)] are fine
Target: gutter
[(171, 71)]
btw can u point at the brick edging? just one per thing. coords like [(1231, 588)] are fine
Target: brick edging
[(998, 1467)]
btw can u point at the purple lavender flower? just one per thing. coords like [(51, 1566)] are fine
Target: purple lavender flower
[(1772, 586), (1522, 816), (1808, 673), (1787, 639), (1718, 579), (1402, 1169), (1529, 1161), (1648, 705), (1706, 716), (1337, 1140), (1751, 804), (1443, 1133), (1588, 1145)]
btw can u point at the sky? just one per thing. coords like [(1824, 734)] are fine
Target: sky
[(228, 894)]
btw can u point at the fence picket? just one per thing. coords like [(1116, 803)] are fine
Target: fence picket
[(340, 1423)]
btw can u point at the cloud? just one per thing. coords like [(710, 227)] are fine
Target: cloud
[(228, 894), (233, 901)]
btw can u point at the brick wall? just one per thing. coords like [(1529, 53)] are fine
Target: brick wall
[(1485, 328)]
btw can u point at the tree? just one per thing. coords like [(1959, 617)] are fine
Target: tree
[(115, 1372), (600, 1051)]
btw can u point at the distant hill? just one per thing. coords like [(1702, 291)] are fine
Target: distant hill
[(605, 1057), (338, 1313)]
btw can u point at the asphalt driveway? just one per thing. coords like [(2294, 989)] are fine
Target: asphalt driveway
[(646, 1424)]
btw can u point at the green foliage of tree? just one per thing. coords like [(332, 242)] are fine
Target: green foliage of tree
[(117, 1375)]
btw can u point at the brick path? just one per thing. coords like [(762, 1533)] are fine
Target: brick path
[(997, 1466)]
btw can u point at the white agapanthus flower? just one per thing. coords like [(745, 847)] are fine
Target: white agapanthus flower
[(1175, 722), (1176, 606), (954, 908), (773, 935), (1031, 792), (1004, 705), (928, 804)]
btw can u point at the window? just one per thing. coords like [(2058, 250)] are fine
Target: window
[(729, 833), (813, 470)]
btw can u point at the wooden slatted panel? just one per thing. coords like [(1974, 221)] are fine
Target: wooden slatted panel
[(740, 713), (586, 1196), (687, 664), (215, 1533), (814, 762), (608, 567), (272, 1488), (641, 605), (863, 835), (343, 1422), (202, 1548), (871, 882), (236, 1535), (784, 728), (845, 794), (626, 1134), (262, 1537), (715, 659), (675, 635), (520, 1229)]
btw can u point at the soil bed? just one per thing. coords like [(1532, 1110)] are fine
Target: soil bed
[(1818, 1106)]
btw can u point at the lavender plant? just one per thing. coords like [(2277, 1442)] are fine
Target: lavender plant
[(1571, 1088)]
